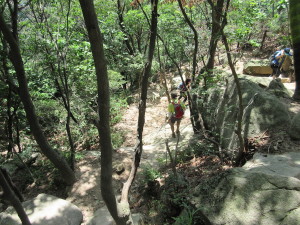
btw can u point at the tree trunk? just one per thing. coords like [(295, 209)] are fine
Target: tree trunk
[(120, 211), (59, 162), (122, 26), (142, 104), (188, 21), (120, 215), (263, 40), (240, 108), (216, 15), (9, 125), (9, 122), (295, 29)]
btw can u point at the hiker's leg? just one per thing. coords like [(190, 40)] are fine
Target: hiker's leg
[(275, 72), (278, 71), (178, 125), (172, 127)]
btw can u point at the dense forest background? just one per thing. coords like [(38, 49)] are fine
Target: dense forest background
[(48, 85), (59, 65)]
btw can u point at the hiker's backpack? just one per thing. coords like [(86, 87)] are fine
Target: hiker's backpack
[(272, 57), (179, 112)]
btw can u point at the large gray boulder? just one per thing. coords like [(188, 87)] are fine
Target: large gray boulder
[(241, 197), (263, 110), (45, 210)]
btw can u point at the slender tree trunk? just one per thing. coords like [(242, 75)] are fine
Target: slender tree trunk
[(9, 195), (64, 79), (196, 117), (240, 108), (120, 213), (9, 125), (263, 40), (16, 58), (17, 132), (122, 26), (58, 86), (188, 21), (164, 83), (9, 122), (119, 210), (216, 15), (295, 29), (142, 104)]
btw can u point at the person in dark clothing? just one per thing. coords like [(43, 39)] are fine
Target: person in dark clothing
[(183, 88), (278, 59)]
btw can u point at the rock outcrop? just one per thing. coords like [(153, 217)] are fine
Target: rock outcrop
[(263, 110), (241, 197), (45, 210)]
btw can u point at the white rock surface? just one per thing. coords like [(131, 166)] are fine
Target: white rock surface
[(287, 164)]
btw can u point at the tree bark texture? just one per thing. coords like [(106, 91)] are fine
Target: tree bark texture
[(15, 56), (294, 14), (120, 213)]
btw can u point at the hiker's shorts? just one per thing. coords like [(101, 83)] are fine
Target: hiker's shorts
[(174, 119)]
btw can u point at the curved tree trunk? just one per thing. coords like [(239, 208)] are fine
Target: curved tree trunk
[(59, 162), (295, 29)]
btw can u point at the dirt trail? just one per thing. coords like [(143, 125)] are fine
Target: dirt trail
[(86, 192)]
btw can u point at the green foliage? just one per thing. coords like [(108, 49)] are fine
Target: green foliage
[(117, 138), (187, 217), (247, 18), (150, 174), (174, 195), (254, 43), (78, 155)]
